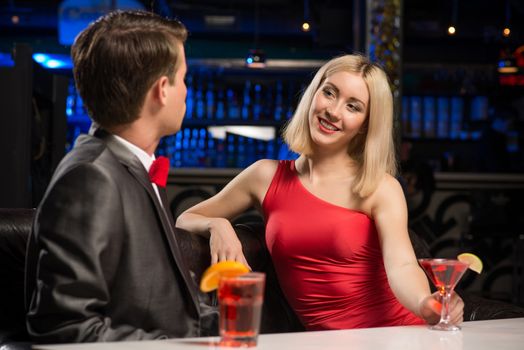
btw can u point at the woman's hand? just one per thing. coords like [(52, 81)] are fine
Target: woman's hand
[(431, 306), (224, 243)]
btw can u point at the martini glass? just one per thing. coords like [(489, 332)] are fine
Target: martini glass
[(445, 274)]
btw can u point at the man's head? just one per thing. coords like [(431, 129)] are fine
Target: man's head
[(119, 57)]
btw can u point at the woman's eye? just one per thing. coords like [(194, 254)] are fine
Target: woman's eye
[(354, 107), (328, 92)]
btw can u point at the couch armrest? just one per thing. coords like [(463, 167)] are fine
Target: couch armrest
[(277, 316)]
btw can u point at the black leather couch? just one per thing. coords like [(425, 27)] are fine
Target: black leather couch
[(15, 225)]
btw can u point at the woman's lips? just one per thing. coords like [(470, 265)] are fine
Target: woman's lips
[(327, 126)]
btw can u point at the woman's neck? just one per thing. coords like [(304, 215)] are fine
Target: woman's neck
[(326, 167)]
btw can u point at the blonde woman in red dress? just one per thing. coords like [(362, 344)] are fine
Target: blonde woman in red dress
[(336, 218)]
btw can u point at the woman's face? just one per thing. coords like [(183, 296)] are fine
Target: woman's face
[(338, 111)]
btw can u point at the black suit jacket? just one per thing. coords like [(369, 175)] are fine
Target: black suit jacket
[(103, 263)]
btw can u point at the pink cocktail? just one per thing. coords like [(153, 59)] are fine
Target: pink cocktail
[(240, 299), (445, 274)]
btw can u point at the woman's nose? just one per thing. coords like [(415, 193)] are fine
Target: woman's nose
[(333, 111)]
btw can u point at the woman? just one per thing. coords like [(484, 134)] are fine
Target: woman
[(336, 218)]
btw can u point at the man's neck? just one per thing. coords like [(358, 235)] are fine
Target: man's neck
[(139, 135)]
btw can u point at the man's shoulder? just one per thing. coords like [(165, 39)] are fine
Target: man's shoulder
[(87, 150), (89, 154)]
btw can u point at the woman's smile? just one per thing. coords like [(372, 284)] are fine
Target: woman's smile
[(327, 126)]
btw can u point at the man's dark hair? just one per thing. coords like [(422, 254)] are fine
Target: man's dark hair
[(117, 59)]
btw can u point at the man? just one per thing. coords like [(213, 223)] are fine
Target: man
[(103, 263)]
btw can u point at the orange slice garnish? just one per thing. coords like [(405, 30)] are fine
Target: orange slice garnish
[(211, 276)]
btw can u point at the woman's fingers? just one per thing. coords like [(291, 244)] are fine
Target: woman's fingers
[(457, 308)]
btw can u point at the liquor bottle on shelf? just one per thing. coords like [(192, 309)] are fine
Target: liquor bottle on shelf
[(257, 103), (246, 101), (221, 158), (201, 147), (429, 116), (442, 117), (186, 135), (290, 100), (241, 151), (416, 116), (457, 110), (199, 102), (279, 101), (479, 108), (193, 150), (251, 155), (176, 159), (210, 100), (270, 150), (220, 111), (231, 150), (268, 103), (233, 108), (261, 148), (211, 153)]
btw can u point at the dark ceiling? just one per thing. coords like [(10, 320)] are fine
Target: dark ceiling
[(335, 24)]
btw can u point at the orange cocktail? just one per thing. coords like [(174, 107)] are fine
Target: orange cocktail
[(240, 299)]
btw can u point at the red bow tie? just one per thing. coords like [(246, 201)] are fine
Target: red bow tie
[(159, 170)]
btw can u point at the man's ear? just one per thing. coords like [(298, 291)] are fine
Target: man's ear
[(160, 89)]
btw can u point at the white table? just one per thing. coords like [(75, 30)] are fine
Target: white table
[(505, 334)]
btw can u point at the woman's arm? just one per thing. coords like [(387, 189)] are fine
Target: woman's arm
[(406, 278), (210, 218)]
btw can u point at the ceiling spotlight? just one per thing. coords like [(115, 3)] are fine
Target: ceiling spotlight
[(506, 32), (454, 16), (15, 19), (306, 27)]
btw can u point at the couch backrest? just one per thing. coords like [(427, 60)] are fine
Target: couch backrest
[(15, 226)]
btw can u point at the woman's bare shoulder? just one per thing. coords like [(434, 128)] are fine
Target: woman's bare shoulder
[(388, 192), (262, 170), (258, 176), (389, 183)]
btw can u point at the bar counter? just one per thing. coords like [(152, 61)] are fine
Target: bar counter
[(505, 334)]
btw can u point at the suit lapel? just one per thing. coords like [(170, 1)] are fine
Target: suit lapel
[(135, 167)]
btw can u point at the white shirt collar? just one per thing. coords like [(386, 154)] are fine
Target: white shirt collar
[(145, 158)]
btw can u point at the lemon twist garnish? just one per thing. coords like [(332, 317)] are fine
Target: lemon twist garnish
[(473, 261), (211, 276)]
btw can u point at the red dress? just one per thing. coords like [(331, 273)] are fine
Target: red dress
[(328, 259)]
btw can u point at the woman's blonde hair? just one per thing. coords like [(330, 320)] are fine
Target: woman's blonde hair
[(373, 146)]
